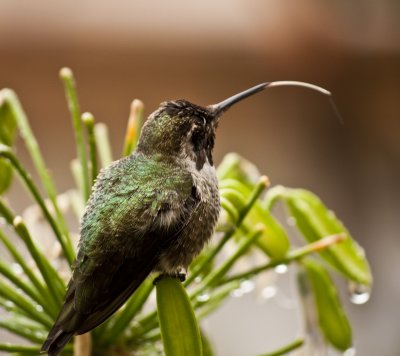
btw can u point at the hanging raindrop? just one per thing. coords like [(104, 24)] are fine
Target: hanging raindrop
[(359, 293)]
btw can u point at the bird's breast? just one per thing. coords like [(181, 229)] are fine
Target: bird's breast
[(200, 225)]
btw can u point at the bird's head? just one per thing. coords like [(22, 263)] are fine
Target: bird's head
[(182, 129)]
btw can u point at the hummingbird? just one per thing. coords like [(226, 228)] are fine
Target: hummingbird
[(152, 211)]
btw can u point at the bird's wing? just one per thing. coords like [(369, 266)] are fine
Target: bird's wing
[(123, 232)]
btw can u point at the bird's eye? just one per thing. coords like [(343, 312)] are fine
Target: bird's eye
[(200, 123)]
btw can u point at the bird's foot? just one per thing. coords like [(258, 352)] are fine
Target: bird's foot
[(181, 275)]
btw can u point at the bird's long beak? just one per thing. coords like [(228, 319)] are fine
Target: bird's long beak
[(218, 109)]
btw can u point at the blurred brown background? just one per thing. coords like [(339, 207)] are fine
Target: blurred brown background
[(206, 51)]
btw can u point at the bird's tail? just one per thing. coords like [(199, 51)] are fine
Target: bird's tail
[(56, 342), (64, 328)]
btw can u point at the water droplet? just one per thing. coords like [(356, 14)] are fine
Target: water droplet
[(39, 308), (17, 269), (269, 292), (9, 304), (281, 269), (39, 334), (237, 293), (247, 286), (359, 293), (350, 352), (203, 297), (291, 221), (197, 280)]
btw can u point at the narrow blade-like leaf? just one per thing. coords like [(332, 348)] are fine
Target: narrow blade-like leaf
[(179, 329)]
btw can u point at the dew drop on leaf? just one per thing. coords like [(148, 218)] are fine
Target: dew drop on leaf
[(9, 304), (39, 334), (203, 297), (247, 286), (281, 269), (17, 269), (350, 352)]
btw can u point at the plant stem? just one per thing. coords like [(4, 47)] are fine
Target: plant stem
[(54, 283), (8, 273), (27, 270), (255, 194), (133, 127), (286, 349), (34, 349), (73, 105), (6, 152), (83, 344), (19, 328), (24, 304), (88, 120), (103, 144), (273, 195), (291, 256), (215, 300), (219, 272), (34, 151), (76, 170)]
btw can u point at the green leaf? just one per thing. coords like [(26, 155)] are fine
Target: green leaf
[(5, 175), (331, 316), (207, 346), (179, 329), (315, 221), (8, 126), (233, 166), (274, 240)]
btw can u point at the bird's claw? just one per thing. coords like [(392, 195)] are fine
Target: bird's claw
[(178, 275)]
